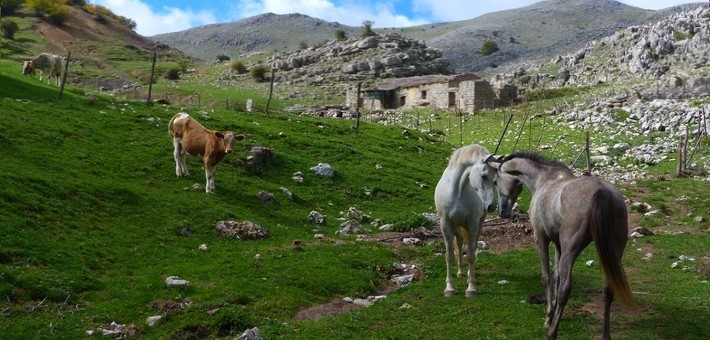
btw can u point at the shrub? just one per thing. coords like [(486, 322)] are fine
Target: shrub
[(258, 72), (303, 44), (8, 7), (55, 11), (340, 35), (183, 64), (488, 48), (238, 66), (9, 27), (172, 74), (222, 58), (367, 28)]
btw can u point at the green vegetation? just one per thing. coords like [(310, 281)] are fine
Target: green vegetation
[(93, 218), (9, 27), (55, 11), (340, 35), (8, 7), (367, 28), (223, 58), (258, 72), (488, 48)]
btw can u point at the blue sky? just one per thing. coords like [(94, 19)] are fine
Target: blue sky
[(163, 16)]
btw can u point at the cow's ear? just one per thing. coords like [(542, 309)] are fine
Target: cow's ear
[(239, 137), (219, 134)]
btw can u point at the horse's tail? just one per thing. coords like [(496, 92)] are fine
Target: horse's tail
[(171, 130), (602, 224)]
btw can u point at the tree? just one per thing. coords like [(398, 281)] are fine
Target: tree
[(9, 27), (367, 28), (222, 58), (489, 47), (340, 35)]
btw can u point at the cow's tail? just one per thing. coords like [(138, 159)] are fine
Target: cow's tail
[(170, 126), (602, 227)]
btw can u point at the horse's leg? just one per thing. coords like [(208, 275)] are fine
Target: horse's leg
[(448, 232), (554, 286), (474, 231), (608, 298), (542, 244), (570, 250), (458, 238)]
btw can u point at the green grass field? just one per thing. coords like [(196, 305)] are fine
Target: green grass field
[(93, 220)]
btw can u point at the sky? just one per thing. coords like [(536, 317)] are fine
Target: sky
[(163, 16)]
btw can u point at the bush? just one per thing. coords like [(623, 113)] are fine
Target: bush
[(303, 44), (340, 35), (258, 72), (238, 66), (8, 7), (172, 74), (222, 58), (55, 11), (183, 64), (367, 28), (9, 27), (488, 48)]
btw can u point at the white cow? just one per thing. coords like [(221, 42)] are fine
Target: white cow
[(46, 63)]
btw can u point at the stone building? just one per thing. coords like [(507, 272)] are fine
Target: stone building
[(465, 92)]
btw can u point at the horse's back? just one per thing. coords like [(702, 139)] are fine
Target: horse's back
[(579, 198)]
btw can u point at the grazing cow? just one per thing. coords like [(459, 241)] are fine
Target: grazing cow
[(46, 63), (191, 137)]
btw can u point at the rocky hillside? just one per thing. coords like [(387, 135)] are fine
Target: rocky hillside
[(359, 59), (673, 51), (543, 29), (262, 33)]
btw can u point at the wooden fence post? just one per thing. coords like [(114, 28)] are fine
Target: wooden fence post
[(589, 158), (357, 107), (271, 90), (64, 76), (152, 71)]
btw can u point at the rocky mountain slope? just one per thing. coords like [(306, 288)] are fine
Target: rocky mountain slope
[(545, 28)]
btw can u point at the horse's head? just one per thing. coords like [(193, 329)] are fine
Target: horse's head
[(482, 178), (509, 186)]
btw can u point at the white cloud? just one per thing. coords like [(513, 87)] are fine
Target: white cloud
[(150, 21), (454, 10), (351, 13)]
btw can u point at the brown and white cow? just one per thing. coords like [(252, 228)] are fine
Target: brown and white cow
[(192, 138), (46, 63)]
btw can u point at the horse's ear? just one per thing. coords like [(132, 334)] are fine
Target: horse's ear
[(219, 134)]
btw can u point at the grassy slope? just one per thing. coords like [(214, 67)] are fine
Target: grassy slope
[(92, 214)]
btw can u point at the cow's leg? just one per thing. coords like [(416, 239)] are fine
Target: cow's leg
[(209, 176), (178, 155)]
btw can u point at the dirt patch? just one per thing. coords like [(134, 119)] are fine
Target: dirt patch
[(499, 234), (335, 307), (169, 307)]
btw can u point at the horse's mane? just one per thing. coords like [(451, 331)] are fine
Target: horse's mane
[(468, 155), (535, 157)]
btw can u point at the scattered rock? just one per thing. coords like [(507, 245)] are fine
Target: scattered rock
[(153, 320), (503, 282), (316, 217), (590, 263), (245, 230), (266, 197), (298, 177), (175, 282), (251, 334), (323, 169), (202, 247)]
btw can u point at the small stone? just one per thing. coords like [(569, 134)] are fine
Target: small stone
[(320, 237), (176, 282), (412, 241), (590, 263), (404, 280), (203, 247), (405, 306), (257, 257), (153, 320), (675, 264), (503, 282)]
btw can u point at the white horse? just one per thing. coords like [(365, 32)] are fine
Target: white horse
[(465, 192)]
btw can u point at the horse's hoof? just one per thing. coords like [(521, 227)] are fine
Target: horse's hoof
[(471, 293), (449, 293)]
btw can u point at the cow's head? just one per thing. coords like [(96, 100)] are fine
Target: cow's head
[(27, 68), (229, 138)]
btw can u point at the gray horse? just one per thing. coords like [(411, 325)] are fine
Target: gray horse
[(570, 212)]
